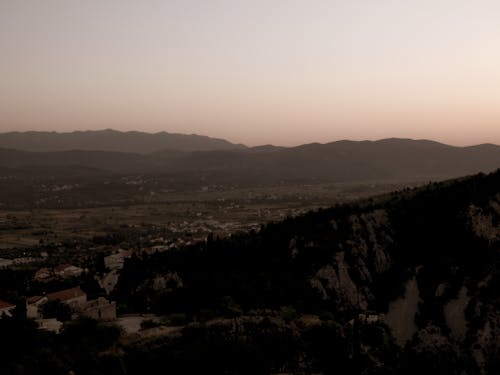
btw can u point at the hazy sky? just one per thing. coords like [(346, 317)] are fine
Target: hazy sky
[(283, 71)]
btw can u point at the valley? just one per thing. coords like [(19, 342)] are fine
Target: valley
[(351, 256)]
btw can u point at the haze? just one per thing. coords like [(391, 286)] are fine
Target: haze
[(282, 72)]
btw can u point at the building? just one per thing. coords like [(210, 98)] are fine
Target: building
[(116, 261), (52, 325), (6, 308), (42, 274), (100, 309), (25, 260), (33, 306), (67, 270), (73, 297)]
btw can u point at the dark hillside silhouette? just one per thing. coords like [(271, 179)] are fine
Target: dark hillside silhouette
[(112, 140)]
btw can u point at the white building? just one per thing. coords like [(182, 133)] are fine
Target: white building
[(67, 270), (6, 308), (33, 305)]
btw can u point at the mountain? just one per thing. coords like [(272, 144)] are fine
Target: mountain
[(111, 140), (406, 283), (101, 160), (341, 161)]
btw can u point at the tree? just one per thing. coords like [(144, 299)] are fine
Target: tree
[(56, 309)]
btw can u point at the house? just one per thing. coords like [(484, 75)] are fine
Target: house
[(76, 299), (32, 306), (116, 261), (24, 260), (100, 309), (160, 248), (51, 325), (67, 270), (73, 297), (42, 274), (6, 308)]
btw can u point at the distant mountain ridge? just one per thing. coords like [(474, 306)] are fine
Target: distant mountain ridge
[(112, 140), (341, 161)]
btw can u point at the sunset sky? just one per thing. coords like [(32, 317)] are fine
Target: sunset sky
[(276, 71)]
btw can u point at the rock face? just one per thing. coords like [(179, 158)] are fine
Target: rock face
[(454, 314), (450, 305), (401, 315), (366, 254), (335, 282)]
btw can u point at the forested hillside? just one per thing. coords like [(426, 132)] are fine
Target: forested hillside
[(423, 263)]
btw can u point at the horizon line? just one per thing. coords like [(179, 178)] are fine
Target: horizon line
[(236, 143)]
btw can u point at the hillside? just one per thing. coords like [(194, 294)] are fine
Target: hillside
[(112, 140), (407, 283), (342, 161)]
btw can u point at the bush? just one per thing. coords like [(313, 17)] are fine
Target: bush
[(288, 313), (177, 319)]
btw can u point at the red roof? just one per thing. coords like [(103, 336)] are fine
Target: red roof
[(42, 273), (66, 294), (5, 304), (33, 299)]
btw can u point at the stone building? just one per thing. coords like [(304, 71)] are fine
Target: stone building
[(100, 309)]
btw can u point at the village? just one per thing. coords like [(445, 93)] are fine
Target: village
[(56, 257), (52, 306), (50, 310)]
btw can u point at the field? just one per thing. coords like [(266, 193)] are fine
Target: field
[(189, 213)]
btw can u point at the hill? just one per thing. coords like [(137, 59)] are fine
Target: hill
[(407, 283), (342, 161), (112, 140)]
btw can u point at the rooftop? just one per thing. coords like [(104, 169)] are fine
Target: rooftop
[(5, 304), (66, 294)]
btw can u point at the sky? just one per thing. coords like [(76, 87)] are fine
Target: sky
[(285, 72)]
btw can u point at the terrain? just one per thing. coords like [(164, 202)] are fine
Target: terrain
[(403, 282), (340, 161), (60, 211), (111, 140), (79, 178), (322, 258)]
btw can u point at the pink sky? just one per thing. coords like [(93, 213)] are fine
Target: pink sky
[(283, 72)]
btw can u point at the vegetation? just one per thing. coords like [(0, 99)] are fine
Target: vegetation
[(296, 296)]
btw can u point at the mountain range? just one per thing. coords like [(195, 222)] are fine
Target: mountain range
[(340, 161), (112, 140)]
